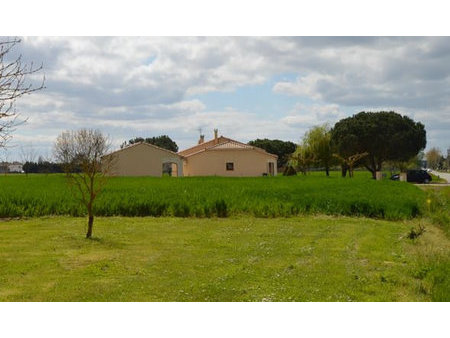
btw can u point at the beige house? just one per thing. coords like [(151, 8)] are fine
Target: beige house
[(144, 159), (222, 156)]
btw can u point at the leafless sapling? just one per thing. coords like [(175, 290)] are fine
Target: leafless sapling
[(82, 155)]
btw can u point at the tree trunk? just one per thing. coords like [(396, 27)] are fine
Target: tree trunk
[(372, 171), (372, 167), (90, 226), (89, 207), (379, 165), (344, 170)]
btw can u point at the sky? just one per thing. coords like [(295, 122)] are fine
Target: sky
[(247, 87)]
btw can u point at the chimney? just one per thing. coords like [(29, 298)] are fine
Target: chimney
[(216, 140), (202, 139)]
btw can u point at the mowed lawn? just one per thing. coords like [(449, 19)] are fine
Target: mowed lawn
[(304, 258)]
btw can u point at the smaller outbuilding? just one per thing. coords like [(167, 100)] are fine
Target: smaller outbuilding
[(144, 159)]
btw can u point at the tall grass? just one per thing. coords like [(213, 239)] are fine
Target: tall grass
[(438, 207), (39, 195)]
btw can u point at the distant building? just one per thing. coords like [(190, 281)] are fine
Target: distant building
[(14, 167)]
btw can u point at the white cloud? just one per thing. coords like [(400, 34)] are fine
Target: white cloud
[(303, 86), (304, 116)]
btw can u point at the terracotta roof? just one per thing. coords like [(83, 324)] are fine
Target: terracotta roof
[(203, 146), (231, 145), (223, 143)]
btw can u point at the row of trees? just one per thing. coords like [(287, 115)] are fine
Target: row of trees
[(369, 139), (42, 167)]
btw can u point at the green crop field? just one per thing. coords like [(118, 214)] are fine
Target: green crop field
[(42, 195), (303, 258)]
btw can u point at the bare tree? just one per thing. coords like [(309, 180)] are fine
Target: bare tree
[(348, 163), (27, 155), (13, 84), (82, 153), (433, 157)]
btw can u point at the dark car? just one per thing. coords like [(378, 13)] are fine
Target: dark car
[(415, 176)]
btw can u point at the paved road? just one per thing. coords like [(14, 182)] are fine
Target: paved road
[(445, 176)]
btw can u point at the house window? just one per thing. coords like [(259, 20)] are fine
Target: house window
[(230, 166)]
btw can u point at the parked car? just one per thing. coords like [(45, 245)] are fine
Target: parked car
[(415, 176)]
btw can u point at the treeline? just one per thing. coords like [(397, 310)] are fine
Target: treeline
[(283, 149), (162, 141), (42, 167)]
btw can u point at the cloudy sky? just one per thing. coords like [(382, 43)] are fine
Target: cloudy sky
[(246, 87)]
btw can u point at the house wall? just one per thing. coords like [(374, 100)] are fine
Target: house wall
[(247, 162), (143, 160)]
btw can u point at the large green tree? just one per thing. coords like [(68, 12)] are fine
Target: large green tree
[(283, 149), (302, 159), (162, 141), (385, 136), (318, 141)]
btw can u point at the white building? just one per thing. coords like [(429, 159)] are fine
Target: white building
[(14, 167)]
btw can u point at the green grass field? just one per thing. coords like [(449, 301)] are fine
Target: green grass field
[(42, 195), (233, 239), (311, 258)]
